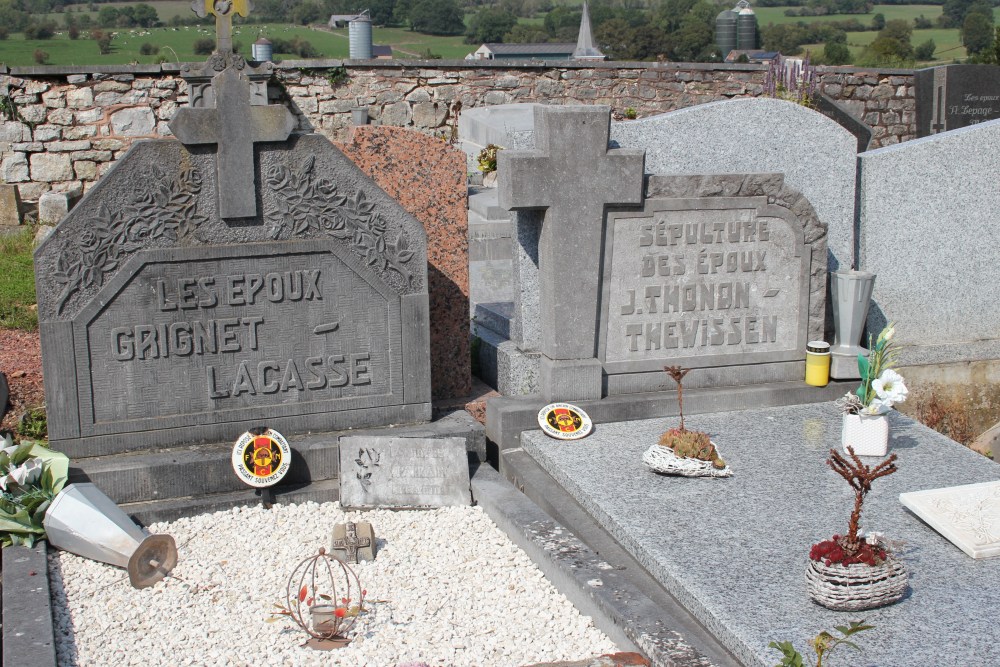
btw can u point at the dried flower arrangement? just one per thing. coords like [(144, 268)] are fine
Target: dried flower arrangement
[(854, 571)]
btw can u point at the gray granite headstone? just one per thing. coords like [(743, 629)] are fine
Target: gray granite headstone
[(817, 155), (163, 321), (378, 471), (723, 272), (955, 96), (928, 230), (573, 176)]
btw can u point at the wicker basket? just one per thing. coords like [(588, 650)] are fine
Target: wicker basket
[(663, 460), (856, 587)]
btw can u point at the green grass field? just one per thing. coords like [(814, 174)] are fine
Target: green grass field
[(776, 15), (165, 9), (176, 44), (17, 289), (948, 42)]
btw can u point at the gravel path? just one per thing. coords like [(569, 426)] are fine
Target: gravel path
[(447, 588), (21, 362)]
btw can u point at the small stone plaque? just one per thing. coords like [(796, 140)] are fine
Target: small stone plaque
[(968, 515), (354, 542), (403, 472), (564, 421), (261, 459)]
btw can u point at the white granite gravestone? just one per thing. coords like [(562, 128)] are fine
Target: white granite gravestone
[(379, 471), (928, 230), (968, 515)]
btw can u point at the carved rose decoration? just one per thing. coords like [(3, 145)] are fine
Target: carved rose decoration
[(164, 208), (306, 203)]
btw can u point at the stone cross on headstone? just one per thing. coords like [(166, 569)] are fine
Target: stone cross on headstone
[(573, 176), (223, 11), (233, 124), (350, 542)]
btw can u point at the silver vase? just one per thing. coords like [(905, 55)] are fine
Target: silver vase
[(851, 294)]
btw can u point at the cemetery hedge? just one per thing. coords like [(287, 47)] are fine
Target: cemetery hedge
[(17, 288)]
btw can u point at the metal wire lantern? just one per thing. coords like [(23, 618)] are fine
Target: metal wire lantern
[(320, 597)]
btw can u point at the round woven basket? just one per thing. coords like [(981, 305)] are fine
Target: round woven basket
[(663, 460), (856, 587)]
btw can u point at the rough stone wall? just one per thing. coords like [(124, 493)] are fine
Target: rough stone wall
[(62, 129)]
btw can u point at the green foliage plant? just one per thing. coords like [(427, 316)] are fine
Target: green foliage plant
[(487, 158), (631, 113), (33, 424), (30, 477), (822, 645), (17, 288), (685, 443), (337, 75)]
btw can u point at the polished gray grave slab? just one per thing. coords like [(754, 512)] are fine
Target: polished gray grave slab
[(733, 551)]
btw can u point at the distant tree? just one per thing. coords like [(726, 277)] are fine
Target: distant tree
[(145, 16), (836, 53), (40, 30), (73, 32), (785, 38), (925, 51), (12, 16), (4, 33), (977, 32), (41, 57), (103, 40), (306, 13), (203, 46), (489, 25), (621, 41), (437, 17), (878, 21), (526, 34), (108, 16), (148, 49), (563, 20), (85, 22), (922, 23)]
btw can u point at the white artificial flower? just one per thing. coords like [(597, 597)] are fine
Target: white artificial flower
[(889, 387), (877, 407), (3, 482), (26, 473)]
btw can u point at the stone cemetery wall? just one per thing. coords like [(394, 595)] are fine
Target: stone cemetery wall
[(69, 126), (427, 177), (928, 230)]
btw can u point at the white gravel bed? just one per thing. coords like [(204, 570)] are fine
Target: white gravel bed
[(447, 588)]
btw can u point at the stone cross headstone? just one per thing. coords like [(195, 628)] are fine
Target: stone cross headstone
[(354, 542), (233, 125), (162, 324), (381, 471), (954, 96), (573, 176)]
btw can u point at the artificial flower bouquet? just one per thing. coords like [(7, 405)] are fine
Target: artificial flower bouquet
[(881, 387), (30, 477)]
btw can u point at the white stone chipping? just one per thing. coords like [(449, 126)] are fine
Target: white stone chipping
[(447, 588)]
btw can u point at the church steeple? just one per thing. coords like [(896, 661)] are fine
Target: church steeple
[(585, 49)]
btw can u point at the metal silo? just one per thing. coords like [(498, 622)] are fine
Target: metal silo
[(360, 32), (725, 31), (746, 30), (262, 50)]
